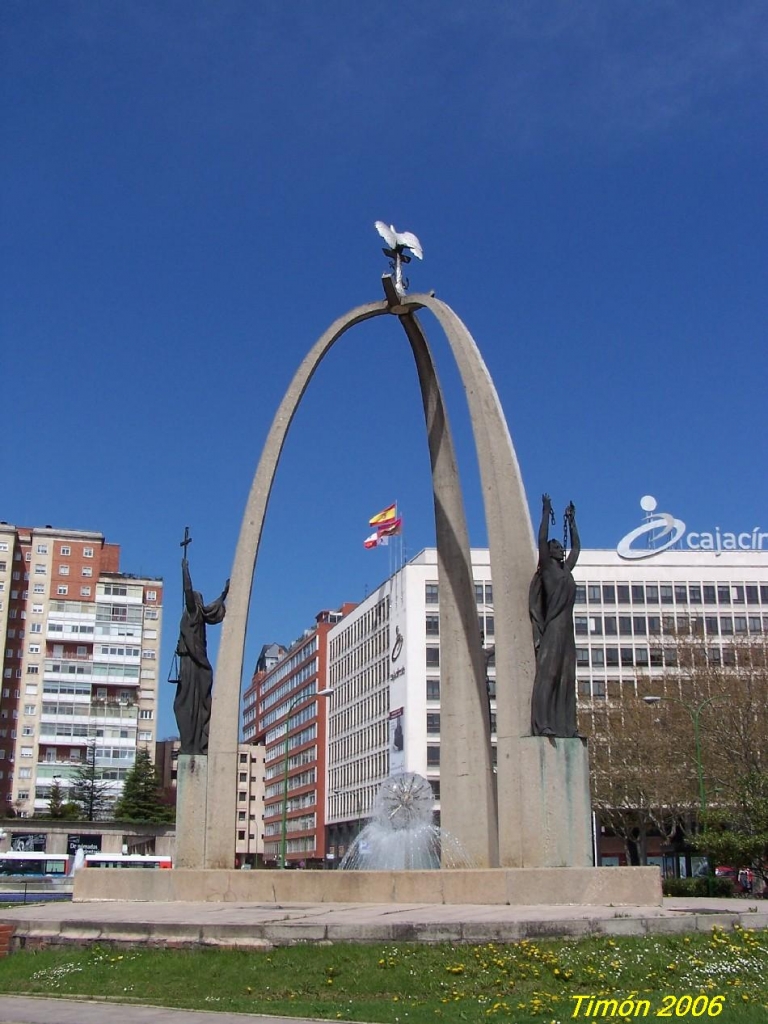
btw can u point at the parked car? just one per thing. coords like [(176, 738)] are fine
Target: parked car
[(729, 873), (737, 878)]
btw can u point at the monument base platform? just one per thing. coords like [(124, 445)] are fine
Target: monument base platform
[(618, 887), (191, 808)]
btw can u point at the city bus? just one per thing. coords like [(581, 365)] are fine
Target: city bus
[(17, 863), (126, 860)]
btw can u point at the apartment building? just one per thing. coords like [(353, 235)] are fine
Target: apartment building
[(249, 836), (80, 645), (283, 715)]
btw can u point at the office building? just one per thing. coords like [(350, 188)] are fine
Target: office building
[(384, 657), (80, 665)]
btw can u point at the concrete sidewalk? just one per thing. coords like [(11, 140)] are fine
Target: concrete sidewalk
[(37, 1010), (260, 925)]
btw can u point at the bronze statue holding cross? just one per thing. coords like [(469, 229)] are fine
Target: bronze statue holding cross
[(192, 705)]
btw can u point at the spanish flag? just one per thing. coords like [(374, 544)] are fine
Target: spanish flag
[(386, 517)]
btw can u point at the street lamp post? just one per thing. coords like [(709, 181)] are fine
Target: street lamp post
[(284, 830), (694, 710)]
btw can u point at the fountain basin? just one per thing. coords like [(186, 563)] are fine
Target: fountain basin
[(581, 886)]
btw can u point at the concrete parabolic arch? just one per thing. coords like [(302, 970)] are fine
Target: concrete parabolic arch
[(529, 827)]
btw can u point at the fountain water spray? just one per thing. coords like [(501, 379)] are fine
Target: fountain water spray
[(402, 835)]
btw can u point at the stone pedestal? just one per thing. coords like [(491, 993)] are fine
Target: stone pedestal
[(191, 811), (595, 887), (556, 819)]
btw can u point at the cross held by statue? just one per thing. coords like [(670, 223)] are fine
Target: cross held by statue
[(186, 542)]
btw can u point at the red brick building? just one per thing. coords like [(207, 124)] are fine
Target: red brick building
[(282, 711)]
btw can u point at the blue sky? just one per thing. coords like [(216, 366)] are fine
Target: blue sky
[(188, 193)]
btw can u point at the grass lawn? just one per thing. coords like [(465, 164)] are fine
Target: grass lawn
[(723, 974)]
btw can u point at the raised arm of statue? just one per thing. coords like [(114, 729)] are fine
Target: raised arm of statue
[(225, 591), (189, 594), (573, 554), (546, 512)]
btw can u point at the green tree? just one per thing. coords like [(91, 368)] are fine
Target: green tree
[(91, 792), (142, 798), (56, 801), (694, 762), (639, 783)]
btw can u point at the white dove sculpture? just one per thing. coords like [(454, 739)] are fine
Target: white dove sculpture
[(398, 242)]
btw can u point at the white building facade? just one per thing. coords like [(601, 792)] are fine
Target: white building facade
[(384, 657)]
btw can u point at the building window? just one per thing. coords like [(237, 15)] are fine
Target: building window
[(65, 550), (594, 593), (87, 552), (85, 591), (63, 570), (146, 714), (433, 757), (433, 657), (87, 570), (582, 656), (151, 595), (433, 689), (430, 593), (62, 589), (432, 625), (433, 723), (39, 569), (622, 591)]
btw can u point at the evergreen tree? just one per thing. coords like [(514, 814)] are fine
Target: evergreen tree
[(56, 802), (90, 790), (142, 798)]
